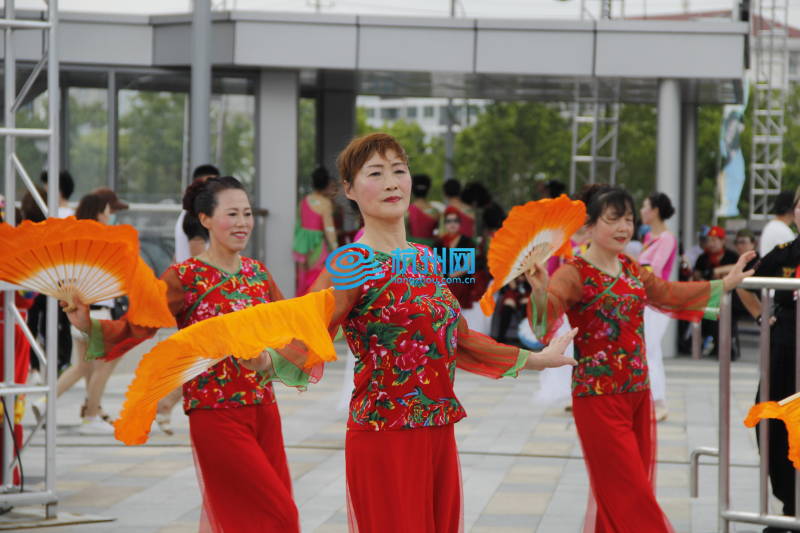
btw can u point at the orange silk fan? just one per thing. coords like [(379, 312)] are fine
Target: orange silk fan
[(531, 234), (243, 334), (84, 260), (787, 410)]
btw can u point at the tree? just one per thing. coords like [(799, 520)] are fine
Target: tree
[(87, 141), (510, 145), (151, 145)]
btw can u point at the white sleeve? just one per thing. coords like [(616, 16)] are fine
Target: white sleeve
[(773, 235), (181, 241)]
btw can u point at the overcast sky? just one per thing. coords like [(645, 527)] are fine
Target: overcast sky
[(470, 8)]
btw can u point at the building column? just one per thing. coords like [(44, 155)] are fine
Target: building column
[(200, 92), (336, 117), (687, 209), (668, 175), (336, 126), (277, 112), (668, 150)]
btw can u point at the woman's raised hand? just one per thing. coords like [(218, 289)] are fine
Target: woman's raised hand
[(735, 276), (536, 274), (78, 314)]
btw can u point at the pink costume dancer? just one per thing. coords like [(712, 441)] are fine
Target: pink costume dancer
[(659, 254), (421, 226), (309, 247)]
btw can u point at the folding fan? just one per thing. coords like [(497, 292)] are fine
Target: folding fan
[(787, 410), (531, 234), (243, 334), (84, 260)]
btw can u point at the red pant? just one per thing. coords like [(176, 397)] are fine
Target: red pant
[(618, 438), (242, 469), (21, 367), (404, 481)]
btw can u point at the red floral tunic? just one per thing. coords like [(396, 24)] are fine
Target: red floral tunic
[(197, 291), (226, 384), (609, 314), (408, 337)]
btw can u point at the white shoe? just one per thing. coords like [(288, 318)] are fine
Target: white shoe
[(95, 425), (39, 408), (661, 411), (164, 423)]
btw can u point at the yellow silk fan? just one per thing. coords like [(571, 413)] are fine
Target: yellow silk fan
[(787, 410), (531, 234), (84, 260), (243, 334)]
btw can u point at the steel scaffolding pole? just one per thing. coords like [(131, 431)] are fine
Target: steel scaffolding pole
[(595, 119), (595, 130), (770, 36), (10, 493)]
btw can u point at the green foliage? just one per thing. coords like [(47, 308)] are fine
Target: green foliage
[(235, 156), (511, 143), (636, 149), (88, 139), (307, 144), (151, 145)]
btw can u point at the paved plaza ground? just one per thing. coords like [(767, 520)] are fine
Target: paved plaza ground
[(521, 462)]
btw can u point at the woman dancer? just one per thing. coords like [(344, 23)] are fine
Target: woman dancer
[(408, 337), (423, 218), (315, 232), (603, 292), (233, 418), (404, 327), (660, 249), (97, 373)]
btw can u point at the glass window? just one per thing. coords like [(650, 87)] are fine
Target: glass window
[(32, 153), (307, 139), (411, 112), (428, 111), (87, 138), (390, 113), (153, 127), (233, 120), (370, 112)]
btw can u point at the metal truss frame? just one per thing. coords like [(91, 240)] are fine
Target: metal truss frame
[(13, 97), (769, 91)]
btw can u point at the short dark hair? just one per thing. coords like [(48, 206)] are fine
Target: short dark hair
[(493, 216), (203, 171), (66, 185), (660, 201), (476, 194), (554, 188), (90, 207), (747, 233), (30, 209), (784, 203), (359, 150), (320, 178), (420, 185), (201, 196), (451, 188), (599, 197)]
